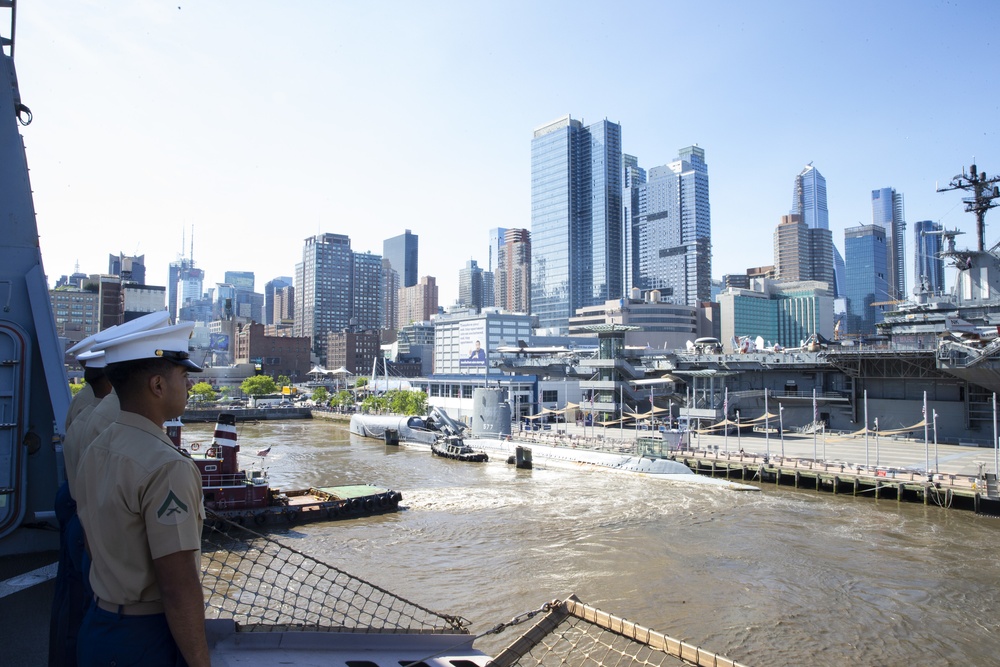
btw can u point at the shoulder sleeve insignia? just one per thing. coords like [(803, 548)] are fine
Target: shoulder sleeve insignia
[(172, 510)]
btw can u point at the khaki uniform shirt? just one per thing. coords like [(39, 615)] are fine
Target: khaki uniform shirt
[(139, 499), (83, 399), (89, 424)]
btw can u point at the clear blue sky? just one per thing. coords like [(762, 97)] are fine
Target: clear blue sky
[(261, 123)]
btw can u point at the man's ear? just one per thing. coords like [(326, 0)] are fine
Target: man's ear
[(156, 384)]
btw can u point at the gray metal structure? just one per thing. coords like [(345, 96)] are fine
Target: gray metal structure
[(34, 390)]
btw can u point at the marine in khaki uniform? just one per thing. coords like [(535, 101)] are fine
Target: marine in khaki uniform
[(140, 503)]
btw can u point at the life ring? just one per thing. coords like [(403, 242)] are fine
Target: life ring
[(221, 504), (210, 453), (260, 519), (195, 446)]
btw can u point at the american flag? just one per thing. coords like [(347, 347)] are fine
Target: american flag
[(265, 451)]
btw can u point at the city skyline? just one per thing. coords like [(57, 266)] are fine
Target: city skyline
[(167, 117)]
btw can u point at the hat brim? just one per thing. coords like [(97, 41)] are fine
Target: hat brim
[(188, 364)]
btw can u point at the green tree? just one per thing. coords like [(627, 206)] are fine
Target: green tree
[(342, 399), (258, 385), (373, 403), (225, 391), (202, 391), (361, 382), (75, 387), (284, 381), (320, 395), (406, 402)]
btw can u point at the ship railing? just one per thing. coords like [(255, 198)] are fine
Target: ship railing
[(264, 585), (231, 479)]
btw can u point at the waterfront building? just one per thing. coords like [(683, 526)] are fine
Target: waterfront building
[(928, 270), (489, 289), (419, 302), (513, 274), (354, 350), (401, 251), (576, 224), (464, 343), (241, 280), (887, 212), (674, 229), (803, 253), (415, 341), (867, 284), (273, 355), (270, 288), (131, 269), (470, 286), (336, 289), (658, 324), (498, 236), (783, 313)]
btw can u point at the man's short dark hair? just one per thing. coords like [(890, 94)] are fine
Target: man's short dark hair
[(92, 375), (127, 376)]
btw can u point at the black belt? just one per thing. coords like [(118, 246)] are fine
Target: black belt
[(134, 609)]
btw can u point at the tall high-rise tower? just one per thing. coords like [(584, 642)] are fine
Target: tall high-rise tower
[(809, 198), (928, 269), (336, 289), (887, 212), (513, 274), (470, 285), (802, 253), (576, 223), (633, 177), (809, 201), (867, 277), (401, 251), (674, 228)]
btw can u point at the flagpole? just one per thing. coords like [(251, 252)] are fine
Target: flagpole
[(781, 428), (996, 464), (814, 423), (725, 418), (927, 452), (866, 428), (936, 468), (767, 429), (739, 439)]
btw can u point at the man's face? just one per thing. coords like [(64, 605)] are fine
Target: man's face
[(176, 386)]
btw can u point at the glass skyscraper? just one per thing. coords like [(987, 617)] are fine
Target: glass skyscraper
[(928, 269), (576, 218), (673, 228), (809, 198), (867, 277), (887, 212), (401, 251)]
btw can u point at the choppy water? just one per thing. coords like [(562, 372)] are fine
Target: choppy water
[(781, 577)]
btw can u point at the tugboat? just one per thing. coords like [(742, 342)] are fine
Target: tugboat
[(455, 448), (246, 498)]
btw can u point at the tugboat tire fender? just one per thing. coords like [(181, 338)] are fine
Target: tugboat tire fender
[(291, 516), (369, 504), (260, 519)]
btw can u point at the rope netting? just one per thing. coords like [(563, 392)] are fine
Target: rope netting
[(572, 633), (266, 586)]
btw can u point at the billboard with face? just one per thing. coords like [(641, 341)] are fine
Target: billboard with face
[(472, 345)]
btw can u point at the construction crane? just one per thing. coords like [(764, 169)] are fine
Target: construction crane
[(984, 192)]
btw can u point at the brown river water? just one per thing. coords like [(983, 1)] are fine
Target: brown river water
[(780, 577)]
